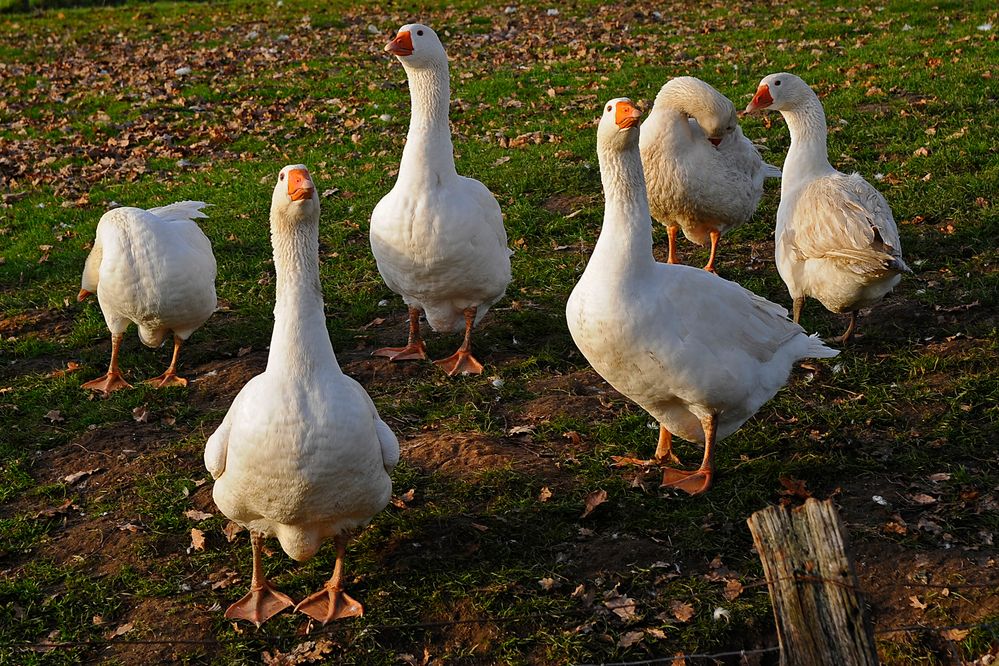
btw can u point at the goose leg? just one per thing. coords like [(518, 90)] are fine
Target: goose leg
[(664, 448), (850, 328), (414, 349), (671, 232), (695, 483), (113, 380), (799, 303), (710, 266), (664, 452), (331, 602), (462, 360), (170, 378), (262, 602)]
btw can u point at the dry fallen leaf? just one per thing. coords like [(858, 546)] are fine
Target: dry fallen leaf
[(923, 499), (76, 476), (308, 652), (194, 514), (140, 414), (621, 605), (54, 416), (916, 603), (794, 488), (230, 530), (593, 500), (631, 638), (71, 366), (121, 630), (401, 501), (197, 539), (547, 584), (955, 634), (733, 589), (681, 610), (49, 513), (545, 494)]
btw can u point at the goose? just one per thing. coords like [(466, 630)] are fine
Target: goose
[(302, 453), (836, 240), (154, 268), (699, 353), (703, 175), (437, 237)]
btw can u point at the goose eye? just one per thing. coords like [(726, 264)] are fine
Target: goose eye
[(777, 82), (281, 177), (419, 32), (608, 107)]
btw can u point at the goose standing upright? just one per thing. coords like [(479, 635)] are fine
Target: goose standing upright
[(703, 175), (438, 238), (154, 268), (301, 454), (836, 239), (697, 352)]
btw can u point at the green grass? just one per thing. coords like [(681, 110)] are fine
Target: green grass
[(93, 112)]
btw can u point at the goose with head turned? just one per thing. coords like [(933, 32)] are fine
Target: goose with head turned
[(154, 268), (836, 239), (704, 176), (697, 352), (438, 238), (301, 454)]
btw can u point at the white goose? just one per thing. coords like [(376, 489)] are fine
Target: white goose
[(154, 268), (699, 353), (438, 237), (703, 175), (302, 454), (836, 239)]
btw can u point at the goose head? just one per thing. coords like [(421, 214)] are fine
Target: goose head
[(417, 46), (295, 198), (618, 128), (91, 271), (717, 126), (780, 92)]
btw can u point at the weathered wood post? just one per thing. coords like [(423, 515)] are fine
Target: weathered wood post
[(813, 587)]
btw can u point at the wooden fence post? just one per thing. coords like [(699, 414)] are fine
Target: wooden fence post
[(816, 597)]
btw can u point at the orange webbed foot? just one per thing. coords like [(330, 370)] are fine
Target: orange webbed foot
[(259, 605), (112, 381), (166, 379), (692, 483), (330, 603), (412, 352), (460, 362)]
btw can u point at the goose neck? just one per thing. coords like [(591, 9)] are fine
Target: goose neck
[(626, 236), (429, 151), (300, 343), (807, 156)]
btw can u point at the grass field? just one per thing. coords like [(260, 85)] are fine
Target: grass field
[(484, 557)]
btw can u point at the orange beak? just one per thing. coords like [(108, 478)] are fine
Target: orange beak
[(715, 141), (402, 45), (761, 100), (83, 294), (626, 116), (300, 185)]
